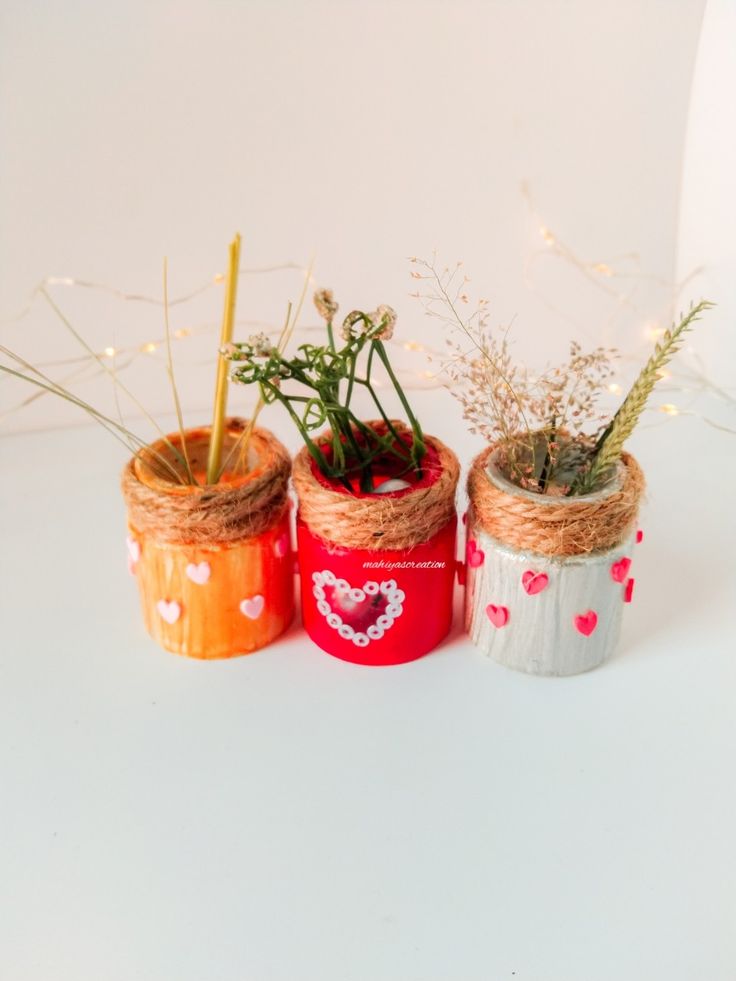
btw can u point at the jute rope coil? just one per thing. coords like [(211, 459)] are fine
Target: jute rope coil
[(556, 526), (216, 514), (378, 521)]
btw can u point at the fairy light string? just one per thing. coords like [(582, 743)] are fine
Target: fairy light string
[(682, 381)]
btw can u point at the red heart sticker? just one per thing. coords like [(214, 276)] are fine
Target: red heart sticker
[(639, 536), (534, 582), (629, 590), (620, 569), (476, 556), (585, 623), (498, 615)]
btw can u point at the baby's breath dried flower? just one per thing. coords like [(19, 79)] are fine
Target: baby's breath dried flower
[(260, 345), (540, 419), (232, 352), (324, 301), (384, 320)]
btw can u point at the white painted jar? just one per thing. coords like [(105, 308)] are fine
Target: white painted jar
[(555, 606)]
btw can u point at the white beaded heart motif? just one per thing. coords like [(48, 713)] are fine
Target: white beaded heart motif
[(374, 607)]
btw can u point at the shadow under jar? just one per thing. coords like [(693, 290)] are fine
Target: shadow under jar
[(377, 569), (547, 577), (213, 562)]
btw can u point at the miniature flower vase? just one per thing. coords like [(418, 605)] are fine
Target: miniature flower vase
[(537, 598), (214, 564), (377, 570)]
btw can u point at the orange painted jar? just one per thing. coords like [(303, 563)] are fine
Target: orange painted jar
[(214, 563)]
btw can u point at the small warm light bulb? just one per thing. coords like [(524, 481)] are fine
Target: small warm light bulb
[(663, 374), (547, 235), (669, 409), (109, 352), (182, 332), (653, 333), (412, 346), (427, 374), (614, 388), (603, 269), (219, 278), (149, 348)]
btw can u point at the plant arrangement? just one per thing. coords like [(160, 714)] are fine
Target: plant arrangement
[(208, 523), (327, 377), (376, 523), (554, 438), (554, 499)]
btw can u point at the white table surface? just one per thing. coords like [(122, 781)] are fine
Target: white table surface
[(289, 816)]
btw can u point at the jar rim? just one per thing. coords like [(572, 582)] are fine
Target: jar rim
[(197, 440), (502, 483)]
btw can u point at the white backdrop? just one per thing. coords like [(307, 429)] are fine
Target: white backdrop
[(289, 816), (708, 204), (359, 133)]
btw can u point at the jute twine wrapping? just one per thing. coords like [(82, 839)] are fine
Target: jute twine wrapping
[(556, 526), (216, 514), (378, 521)]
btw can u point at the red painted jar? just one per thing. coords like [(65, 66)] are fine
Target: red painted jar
[(377, 570)]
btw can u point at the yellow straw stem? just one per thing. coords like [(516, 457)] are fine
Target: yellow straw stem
[(226, 334)]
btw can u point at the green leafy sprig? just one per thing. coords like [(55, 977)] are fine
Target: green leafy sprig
[(330, 375)]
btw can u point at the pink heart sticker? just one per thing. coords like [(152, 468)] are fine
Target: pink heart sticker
[(252, 607), (620, 569), (199, 573), (629, 590), (475, 556), (168, 610), (585, 623), (534, 582), (498, 615), (134, 549), (281, 546)]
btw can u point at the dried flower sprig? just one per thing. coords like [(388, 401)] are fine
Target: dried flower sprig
[(330, 374), (552, 436), (536, 419)]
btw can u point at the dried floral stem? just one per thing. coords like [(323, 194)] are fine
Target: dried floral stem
[(286, 333), (228, 318), (479, 342), (120, 432), (241, 444), (611, 442), (172, 380), (106, 368)]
